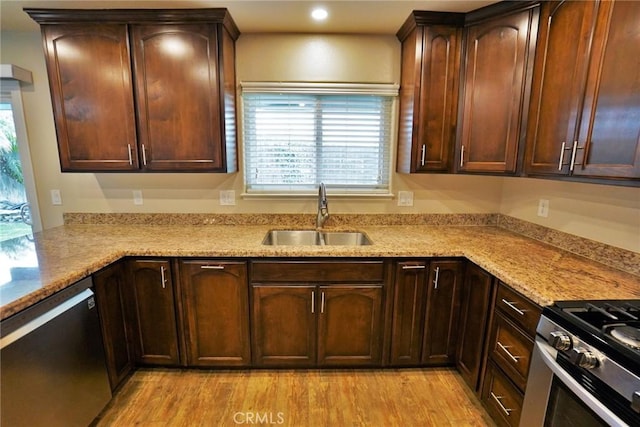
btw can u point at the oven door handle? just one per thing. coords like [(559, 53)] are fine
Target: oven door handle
[(547, 352)]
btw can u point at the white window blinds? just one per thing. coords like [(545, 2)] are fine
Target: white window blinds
[(296, 138)]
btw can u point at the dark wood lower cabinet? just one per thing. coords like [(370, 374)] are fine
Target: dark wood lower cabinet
[(317, 313), (350, 325), (426, 311), (320, 313), (109, 285), (501, 398), (215, 298), (283, 325), (444, 287), (153, 316), (475, 310)]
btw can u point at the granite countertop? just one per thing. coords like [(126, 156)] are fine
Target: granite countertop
[(540, 271)]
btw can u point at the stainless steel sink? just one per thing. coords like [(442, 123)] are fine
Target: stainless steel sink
[(315, 238)]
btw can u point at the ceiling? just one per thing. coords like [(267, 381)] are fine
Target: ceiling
[(260, 16)]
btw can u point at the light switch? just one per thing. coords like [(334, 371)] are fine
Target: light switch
[(137, 197), (543, 208), (405, 198), (56, 198), (227, 197)]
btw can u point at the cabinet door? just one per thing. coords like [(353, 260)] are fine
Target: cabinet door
[(428, 98), (349, 325), (90, 81), (609, 140), (155, 330), (408, 312), (496, 82), (109, 285), (475, 309), (216, 310), (558, 84), (178, 96), (284, 325), (444, 288)]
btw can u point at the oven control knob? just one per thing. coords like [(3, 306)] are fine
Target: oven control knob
[(584, 358), (560, 340)]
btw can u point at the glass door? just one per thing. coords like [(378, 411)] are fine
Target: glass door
[(15, 212)]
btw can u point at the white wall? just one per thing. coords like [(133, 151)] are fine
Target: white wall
[(605, 213)]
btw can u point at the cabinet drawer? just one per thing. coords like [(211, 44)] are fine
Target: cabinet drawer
[(511, 349), (321, 271), (502, 400), (518, 308)]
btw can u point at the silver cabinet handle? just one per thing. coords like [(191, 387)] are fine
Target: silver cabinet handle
[(506, 350), (129, 151), (423, 155), (573, 155), (313, 301), (562, 149), (506, 410), (212, 267), (163, 277), (413, 267), (513, 307), (435, 281), (322, 303), (144, 155), (461, 156)]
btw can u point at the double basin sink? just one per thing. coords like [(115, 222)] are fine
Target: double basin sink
[(315, 238)]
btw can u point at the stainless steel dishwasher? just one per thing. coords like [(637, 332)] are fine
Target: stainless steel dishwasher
[(53, 370)]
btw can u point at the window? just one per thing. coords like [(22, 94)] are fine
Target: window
[(296, 137)]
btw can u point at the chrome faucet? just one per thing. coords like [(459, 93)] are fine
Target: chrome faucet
[(323, 206)]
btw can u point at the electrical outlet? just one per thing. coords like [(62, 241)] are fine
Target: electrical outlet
[(56, 198), (227, 197), (543, 208), (405, 198), (137, 197)]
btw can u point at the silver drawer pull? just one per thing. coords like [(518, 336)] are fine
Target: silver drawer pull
[(413, 267), (512, 305), (163, 278), (506, 350), (212, 267), (506, 410)]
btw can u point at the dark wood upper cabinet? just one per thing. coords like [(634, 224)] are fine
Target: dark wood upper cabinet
[(431, 45), (215, 296), (559, 78), (496, 81), (149, 90), (91, 89), (610, 127), (585, 115)]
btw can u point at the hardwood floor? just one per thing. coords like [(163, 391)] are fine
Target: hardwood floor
[(340, 398)]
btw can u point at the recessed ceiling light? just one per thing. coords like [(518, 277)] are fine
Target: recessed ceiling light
[(319, 14)]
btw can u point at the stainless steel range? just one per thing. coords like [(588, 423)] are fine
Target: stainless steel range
[(585, 369)]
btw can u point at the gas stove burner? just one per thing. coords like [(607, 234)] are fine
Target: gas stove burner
[(627, 335)]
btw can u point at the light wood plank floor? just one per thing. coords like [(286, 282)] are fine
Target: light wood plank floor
[(337, 398)]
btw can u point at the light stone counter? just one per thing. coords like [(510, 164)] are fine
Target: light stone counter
[(542, 272)]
